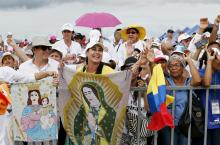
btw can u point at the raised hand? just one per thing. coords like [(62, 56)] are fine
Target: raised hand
[(210, 54)]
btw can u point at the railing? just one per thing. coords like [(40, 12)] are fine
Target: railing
[(174, 89)]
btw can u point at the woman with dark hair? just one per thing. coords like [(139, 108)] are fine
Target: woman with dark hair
[(94, 64), (92, 108)]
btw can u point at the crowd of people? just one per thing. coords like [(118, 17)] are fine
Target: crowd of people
[(186, 60)]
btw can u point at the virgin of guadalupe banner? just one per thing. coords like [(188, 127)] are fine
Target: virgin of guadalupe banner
[(93, 107), (34, 111)]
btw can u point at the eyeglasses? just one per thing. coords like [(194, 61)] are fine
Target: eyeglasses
[(177, 65), (131, 32)]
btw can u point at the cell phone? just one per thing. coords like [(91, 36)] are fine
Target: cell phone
[(201, 43)]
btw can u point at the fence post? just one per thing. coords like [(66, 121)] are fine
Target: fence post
[(173, 114), (190, 114), (206, 116), (139, 117), (155, 138)]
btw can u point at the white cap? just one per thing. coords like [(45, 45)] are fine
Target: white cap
[(8, 54), (40, 41), (94, 35), (68, 27), (91, 44), (9, 34), (183, 37), (178, 49)]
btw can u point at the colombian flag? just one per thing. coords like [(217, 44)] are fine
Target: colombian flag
[(158, 100)]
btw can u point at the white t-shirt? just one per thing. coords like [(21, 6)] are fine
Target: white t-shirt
[(122, 51), (75, 48), (10, 75), (30, 68)]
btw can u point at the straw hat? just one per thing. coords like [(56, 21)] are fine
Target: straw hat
[(142, 31)]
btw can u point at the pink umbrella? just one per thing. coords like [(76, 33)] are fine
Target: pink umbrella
[(97, 20)]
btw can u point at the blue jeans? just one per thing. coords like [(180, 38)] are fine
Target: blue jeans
[(179, 138)]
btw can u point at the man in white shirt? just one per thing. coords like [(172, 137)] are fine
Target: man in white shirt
[(41, 62), (70, 49)]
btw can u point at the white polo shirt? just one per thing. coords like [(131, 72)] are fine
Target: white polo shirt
[(122, 51), (28, 67), (75, 48), (10, 75)]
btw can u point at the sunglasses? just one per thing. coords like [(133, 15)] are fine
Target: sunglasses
[(66, 31), (44, 48), (131, 32)]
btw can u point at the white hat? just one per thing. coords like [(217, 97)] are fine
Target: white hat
[(91, 44), (8, 54), (40, 41), (9, 34), (94, 35), (179, 49), (183, 37), (68, 27)]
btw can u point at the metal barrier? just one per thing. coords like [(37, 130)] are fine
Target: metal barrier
[(174, 89)]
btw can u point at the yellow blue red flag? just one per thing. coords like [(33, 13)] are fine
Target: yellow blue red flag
[(157, 98)]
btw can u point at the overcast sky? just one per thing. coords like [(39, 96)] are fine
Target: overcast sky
[(26, 18)]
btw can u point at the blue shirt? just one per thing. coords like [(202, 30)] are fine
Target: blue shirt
[(213, 95), (181, 99)]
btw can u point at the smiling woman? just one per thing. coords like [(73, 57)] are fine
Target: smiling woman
[(94, 64)]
